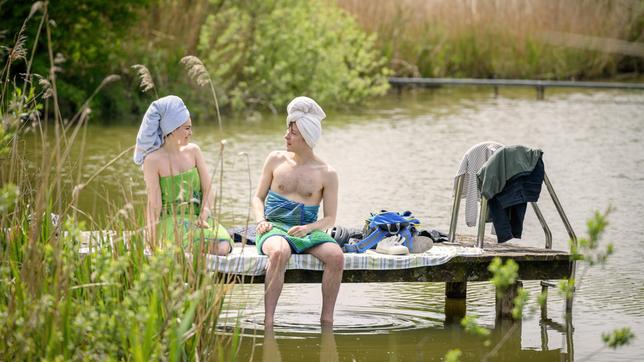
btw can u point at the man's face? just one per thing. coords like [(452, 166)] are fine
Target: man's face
[(294, 139)]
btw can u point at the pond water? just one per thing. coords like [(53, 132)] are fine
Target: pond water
[(400, 152)]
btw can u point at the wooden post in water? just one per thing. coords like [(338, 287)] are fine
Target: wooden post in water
[(505, 301), (544, 306), (455, 310), (455, 304), (455, 289)]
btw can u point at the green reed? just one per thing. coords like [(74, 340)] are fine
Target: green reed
[(116, 301)]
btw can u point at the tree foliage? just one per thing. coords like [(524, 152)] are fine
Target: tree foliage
[(87, 39), (264, 53)]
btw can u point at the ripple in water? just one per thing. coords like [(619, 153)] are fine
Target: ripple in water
[(356, 321)]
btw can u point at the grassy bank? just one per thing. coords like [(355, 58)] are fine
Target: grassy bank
[(534, 39), (262, 53), (117, 301)]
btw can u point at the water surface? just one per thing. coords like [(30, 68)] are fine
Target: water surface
[(400, 152)]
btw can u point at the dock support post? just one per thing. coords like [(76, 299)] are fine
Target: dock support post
[(544, 306), (455, 290), (455, 310), (455, 303), (505, 301)]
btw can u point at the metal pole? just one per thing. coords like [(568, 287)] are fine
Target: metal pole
[(544, 225), (560, 210), (482, 218), (572, 236), (458, 191)]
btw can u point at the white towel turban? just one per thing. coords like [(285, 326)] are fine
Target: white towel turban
[(308, 116), (162, 117)]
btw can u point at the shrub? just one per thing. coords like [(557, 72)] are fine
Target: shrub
[(264, 53)]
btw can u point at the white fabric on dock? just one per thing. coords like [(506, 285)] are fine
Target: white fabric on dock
[(471, 163), (246, 261)]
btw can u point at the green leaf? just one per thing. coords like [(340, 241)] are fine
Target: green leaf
[(471, 326), (453, 355), (618, 337)]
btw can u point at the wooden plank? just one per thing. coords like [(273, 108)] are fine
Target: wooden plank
[(534, 264), (434, 82)]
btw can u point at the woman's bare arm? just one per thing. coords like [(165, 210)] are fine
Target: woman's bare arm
[(153, 208), (208, 199)]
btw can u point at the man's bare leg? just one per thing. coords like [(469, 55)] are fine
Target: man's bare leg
[(278, 251), (331, 255)]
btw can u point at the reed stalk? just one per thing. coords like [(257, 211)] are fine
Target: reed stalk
[(114, 301)]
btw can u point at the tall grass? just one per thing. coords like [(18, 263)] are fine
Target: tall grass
[(167, 30), (116, 301), (492, 38)]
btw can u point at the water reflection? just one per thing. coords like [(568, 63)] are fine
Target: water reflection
[(405, 321), (503, 344), (328, 349), (270, 350)]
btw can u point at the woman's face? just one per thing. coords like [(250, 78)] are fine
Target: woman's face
[(181, 135)]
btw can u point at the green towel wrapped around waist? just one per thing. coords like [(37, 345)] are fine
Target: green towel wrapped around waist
[(181, 199), (284, 214)]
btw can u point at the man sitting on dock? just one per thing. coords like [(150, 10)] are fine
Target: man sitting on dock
[(291, 187)]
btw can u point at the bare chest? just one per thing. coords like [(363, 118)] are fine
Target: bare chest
[(169, 166), (298, 183)]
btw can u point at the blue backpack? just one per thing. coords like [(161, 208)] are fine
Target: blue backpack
[(383, 225)]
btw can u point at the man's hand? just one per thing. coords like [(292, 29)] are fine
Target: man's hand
[(300, 231), (263, 227)]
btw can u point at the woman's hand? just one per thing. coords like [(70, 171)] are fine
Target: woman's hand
[(300, 231), (263, 227), (202, 223)]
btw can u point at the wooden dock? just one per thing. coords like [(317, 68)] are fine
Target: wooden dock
[(534, 264), (539, 85)]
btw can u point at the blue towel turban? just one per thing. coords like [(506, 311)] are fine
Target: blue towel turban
[(162, 117)]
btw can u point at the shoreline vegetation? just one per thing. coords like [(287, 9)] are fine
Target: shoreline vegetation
[(262, 53), (119, 300), (531, 39)]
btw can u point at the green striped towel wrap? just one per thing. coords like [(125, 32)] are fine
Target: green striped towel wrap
[(284, 214)]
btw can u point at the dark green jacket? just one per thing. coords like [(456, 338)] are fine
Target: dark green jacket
[(505, 163)]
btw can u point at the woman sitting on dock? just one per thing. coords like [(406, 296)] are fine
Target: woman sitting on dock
[(177, 181)]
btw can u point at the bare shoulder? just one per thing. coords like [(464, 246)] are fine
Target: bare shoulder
[(152, 160), (192, 147), (329, 173), (276, 157), (282, 155), (193, 150)]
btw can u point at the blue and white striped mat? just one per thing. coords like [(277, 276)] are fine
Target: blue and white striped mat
[(246, 261)]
